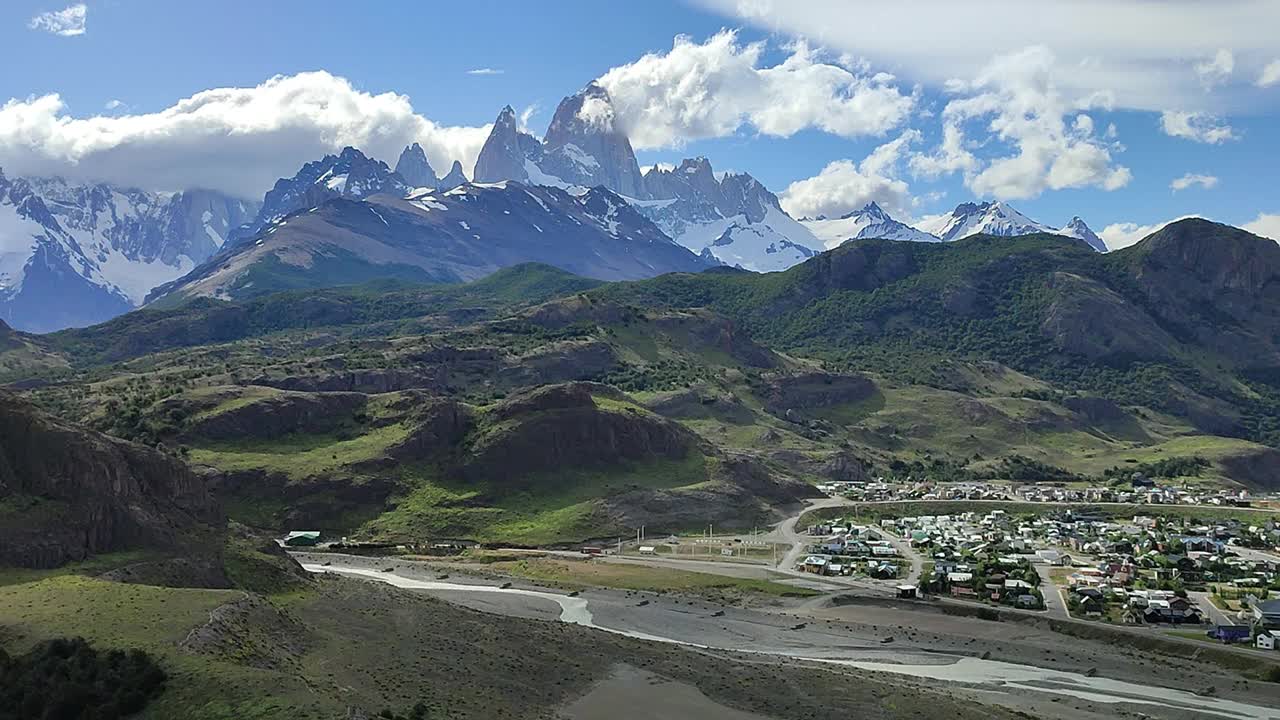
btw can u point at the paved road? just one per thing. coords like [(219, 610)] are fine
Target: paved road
[(1054, 600), (1216, 616)]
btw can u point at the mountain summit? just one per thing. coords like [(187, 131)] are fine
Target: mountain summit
[(1078, 229), (415, 169), (584, 146), (869, 222)]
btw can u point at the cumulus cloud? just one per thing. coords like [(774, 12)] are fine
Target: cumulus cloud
[(1267, 226), (713, 89), (1190, 179), (844, 185), (1122, 235), (485, 71), (1137, 50), (1196, 126), (1217, 69), (1053, 146), (68, 22), (1270, 75), (237, 140)]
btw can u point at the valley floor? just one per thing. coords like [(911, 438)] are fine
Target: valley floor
[(1024, 666)]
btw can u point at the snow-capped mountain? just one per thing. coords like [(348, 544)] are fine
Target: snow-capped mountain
[(442, 236), (1077, 229), (733, 219), (73, 255), (869, 222), (990, 218), (998, 218), (348, 174)]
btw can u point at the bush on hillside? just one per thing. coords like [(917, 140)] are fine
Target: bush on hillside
[(67, 679)]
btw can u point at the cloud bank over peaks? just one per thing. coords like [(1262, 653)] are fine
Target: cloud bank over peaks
[(235, 140)]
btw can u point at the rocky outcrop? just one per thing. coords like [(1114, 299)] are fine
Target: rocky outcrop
[(67, 492), (438, 425), (561, 426), (790, 396), (1071, 323), (278, 415)]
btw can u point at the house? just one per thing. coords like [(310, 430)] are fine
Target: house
[(906, 592), (1173, 610), (1053, 557), (1267, 613), (302, 538), (1090, 606), (1269, 640), (814, 564)]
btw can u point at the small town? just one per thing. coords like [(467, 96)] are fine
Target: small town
[(1213, 580)]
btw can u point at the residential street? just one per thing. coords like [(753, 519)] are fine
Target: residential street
[(1054, 600)]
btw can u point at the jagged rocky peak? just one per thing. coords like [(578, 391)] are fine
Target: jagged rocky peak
[(350, 174), (414, 167), (585, 146), (740, 192), (455, 177), (871, 211), (507, 152), (1079, 230)]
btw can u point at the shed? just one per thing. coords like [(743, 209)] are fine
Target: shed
[(647, 550), (302, 538)]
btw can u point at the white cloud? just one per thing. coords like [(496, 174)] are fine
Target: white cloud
[(1136, 49), (1205, 181), (844, 185), (1267, 226), (713, 89), (238, 140), (1270, 75), (1122, 235), (486, 71), (1018, 102), (1217, 69), (1196, 126), (68, 22), (113, 104)]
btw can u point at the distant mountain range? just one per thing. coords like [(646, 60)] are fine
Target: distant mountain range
[(73, 255), (431, 235)]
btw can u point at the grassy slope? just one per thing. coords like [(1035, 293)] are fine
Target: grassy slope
[(368, 646)]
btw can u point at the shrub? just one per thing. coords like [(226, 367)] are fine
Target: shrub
[(67, 678)]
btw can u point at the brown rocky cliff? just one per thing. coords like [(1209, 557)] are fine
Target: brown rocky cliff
[(67, 492)]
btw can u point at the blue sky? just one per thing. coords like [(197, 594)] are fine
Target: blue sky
[(143, 56)]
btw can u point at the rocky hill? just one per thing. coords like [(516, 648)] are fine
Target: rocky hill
[(67, 493)]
